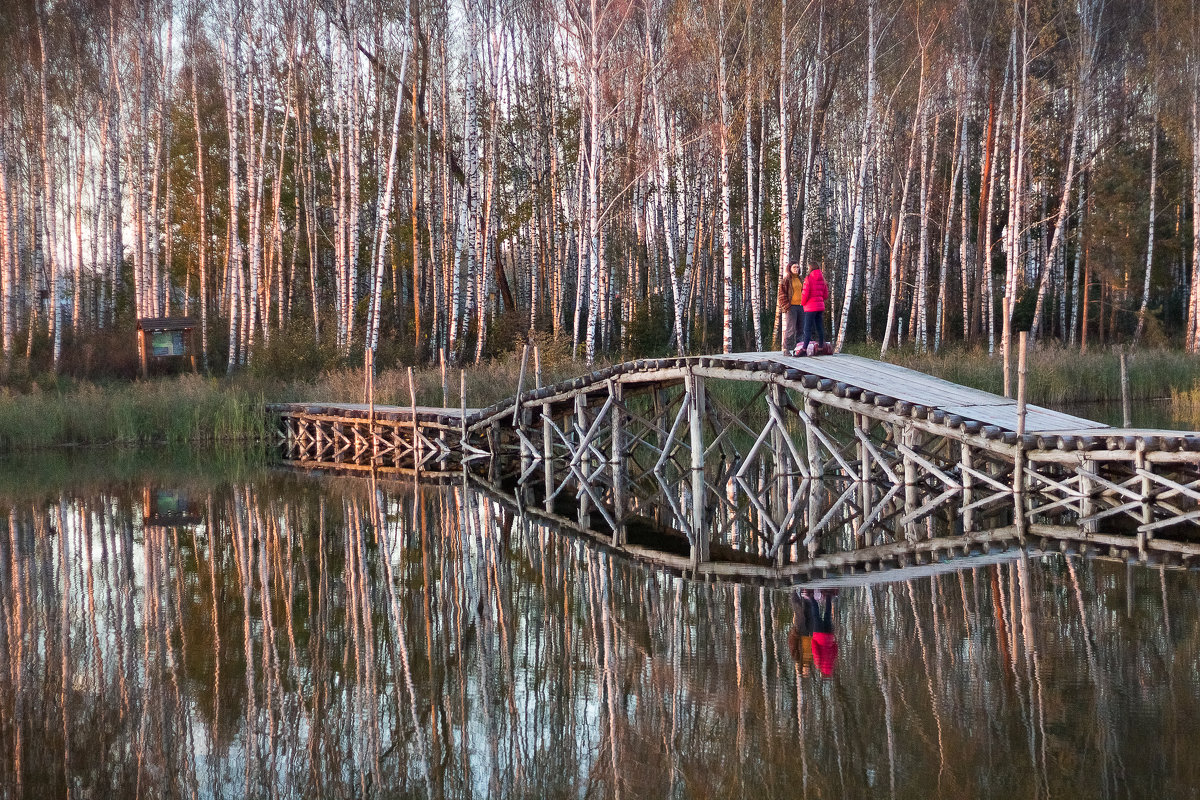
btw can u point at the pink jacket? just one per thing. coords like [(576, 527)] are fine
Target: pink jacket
[(825, 651), (815, 291)]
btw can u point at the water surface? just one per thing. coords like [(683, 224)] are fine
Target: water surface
[(199, 627)]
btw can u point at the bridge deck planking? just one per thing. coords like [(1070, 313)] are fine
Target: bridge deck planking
[(879, 377), (916, 387)]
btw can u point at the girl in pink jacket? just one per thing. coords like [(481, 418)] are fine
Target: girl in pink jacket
[(813, 298)]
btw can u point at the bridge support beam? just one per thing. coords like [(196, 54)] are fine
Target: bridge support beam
[(617, 460), (695, 399)]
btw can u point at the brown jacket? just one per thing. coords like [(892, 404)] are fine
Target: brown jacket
[(785, 289)]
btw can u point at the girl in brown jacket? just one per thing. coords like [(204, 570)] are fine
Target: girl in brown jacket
[(791, 305)]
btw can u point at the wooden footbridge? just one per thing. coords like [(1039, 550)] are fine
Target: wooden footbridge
[(773, 466)]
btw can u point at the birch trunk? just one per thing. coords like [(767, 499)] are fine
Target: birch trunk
[(49, 225), (115, 232), (952, 187), (899, 223), (593, 189), (1193, 320), (201, 222), (1016, 176), (726, 225), (864, 156), (233, 267), (665, 200), (383, 218), (1141, 324), (785, 207), (920, 315), (7, 260), (752, 264)]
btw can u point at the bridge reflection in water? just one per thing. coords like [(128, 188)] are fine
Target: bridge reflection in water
[(782, 468), (294, 636)]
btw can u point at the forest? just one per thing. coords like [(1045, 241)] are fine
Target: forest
[(445, 178)]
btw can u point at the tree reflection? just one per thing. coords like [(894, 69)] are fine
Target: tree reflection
[(346, 637)]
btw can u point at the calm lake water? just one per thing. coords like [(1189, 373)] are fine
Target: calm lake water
[(213, 626)]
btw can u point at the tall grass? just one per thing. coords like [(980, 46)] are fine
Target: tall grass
[(1185, 405), (166, 411), (194, 409)]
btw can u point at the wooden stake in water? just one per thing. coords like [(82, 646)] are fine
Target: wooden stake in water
[(1126, 410)]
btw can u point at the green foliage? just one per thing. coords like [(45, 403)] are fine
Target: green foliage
[(649, 331), (293, 354)]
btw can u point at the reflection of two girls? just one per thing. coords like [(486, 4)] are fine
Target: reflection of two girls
[(811, 638)]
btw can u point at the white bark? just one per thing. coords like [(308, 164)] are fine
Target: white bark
[(1141, 324), (753, 265), (593, 186), (860, 186), (785, 206), (943, 268), (383, 218), (49, 224), (230, 66), (900, 222), (726, 225), (201, 223), (7, 261)]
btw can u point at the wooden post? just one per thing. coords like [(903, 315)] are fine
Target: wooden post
[(1004, 346), (547, 452), (816, 469), (908, 435), (445, 402), (579, 428), (370, 388), (1126, 410), (695, 399), (142, 351), (968, 483), (863, 423), (1143, 465), (462, 392), (412, 405), (1087, 488), (775, 398), (617, 460), (445, 386), (368, 374), (1019, 454), (520, 381)]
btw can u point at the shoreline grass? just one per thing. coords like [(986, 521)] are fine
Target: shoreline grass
[(193, 409)]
